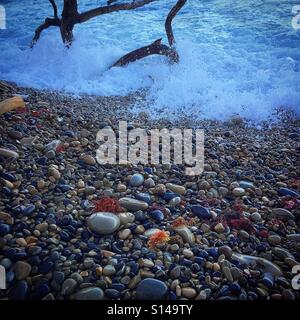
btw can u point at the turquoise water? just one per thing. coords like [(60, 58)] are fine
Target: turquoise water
[(236, 56)]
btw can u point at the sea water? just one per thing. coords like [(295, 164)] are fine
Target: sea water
[(236, 57)]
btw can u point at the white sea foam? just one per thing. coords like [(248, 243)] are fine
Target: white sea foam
[(223, 70)]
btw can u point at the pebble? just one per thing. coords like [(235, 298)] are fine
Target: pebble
[(126, 218), (219, 228), (176, 188), (283, 213), (201, 212), (136, 180), (238, 192), (226, 250), (103, 223), (109, 270), (22, 270), (89, 160), (187, 253), (124, 234), (68, 287), (175, 272), (188, 293), (7, 153), (256, 217), (226, 271), (157, 215), (90, 293), (133, 205), (274, 239), (288, 192), (186, 234), (151, 289)]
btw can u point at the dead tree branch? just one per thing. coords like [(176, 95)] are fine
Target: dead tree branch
[(54, 8), (47, 23), (83, 17), (70, 17), (170, 17), (156, 47)]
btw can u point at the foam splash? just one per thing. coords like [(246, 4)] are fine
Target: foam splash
[(215, 79)]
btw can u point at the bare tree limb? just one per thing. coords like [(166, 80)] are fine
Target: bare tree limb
[(54, 8), (154, 48), (85, 16), (47, 23), (170, 17)]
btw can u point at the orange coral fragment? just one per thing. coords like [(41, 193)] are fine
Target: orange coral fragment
[(106, 204), (159, 237), (178, 222)]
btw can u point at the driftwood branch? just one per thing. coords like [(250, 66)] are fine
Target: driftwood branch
[(70, 17), (83, 17), (170, 17), (156, 47), (47, 23), (54, 8)]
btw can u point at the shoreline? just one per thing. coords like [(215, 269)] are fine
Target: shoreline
[(231, 233)]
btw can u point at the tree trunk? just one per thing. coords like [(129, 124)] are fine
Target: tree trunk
[(69, 19)]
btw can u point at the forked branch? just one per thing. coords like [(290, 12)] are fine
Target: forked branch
[(157, 47), (83, 17), (54, 8)]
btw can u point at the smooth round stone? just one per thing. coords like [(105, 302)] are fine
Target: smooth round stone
[(136, 180), (103, 223), (294, 237), (201, 212), (151, 289), (133, 204), (176, 188), (22, 270), (18, 291), (219, 228), (68, 286), (227, 274), (148, 233), (4, 229), (267, 265), (185, 234), (149, 183), (175, 272), (274, 239), (246, 184), (89, 160), (8, 153), (170, 195), (283, 214), (268, 280), (187, 253), (226, 250), (288, 192), (238, 192), (6, 263), (90, 293), (126, 217), (281, 253), (174, 202), (188, 293), (256, 217), (143, 197), (124, 234), (157, 215), (109, 270)]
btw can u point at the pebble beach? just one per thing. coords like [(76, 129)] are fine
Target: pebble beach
[(72, 229)]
